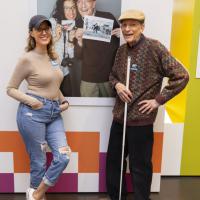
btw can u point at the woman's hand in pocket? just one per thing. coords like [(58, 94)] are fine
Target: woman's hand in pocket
[(64, 106), (36, 105)]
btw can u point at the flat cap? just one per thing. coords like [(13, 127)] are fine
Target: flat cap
[(132, 14)]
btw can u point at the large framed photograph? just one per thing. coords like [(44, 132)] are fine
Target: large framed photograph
[(86, 59)]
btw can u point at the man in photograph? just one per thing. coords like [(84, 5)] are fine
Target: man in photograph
[(97, 56)]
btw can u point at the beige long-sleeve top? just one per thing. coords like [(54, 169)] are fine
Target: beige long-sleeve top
[(42, 75)]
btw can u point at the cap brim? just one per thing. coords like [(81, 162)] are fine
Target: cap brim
[(127, 18), (41, 21)]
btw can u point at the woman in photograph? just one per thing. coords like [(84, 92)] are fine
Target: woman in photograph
[(64, 29), (39, 113)]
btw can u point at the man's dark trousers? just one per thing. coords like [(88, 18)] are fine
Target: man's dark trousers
[(138, 146)]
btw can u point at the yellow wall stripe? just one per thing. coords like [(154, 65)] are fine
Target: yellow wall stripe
[(181, 48)]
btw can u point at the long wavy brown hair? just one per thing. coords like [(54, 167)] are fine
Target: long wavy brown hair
[(31, 44)]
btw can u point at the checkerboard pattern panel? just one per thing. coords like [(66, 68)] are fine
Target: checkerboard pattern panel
[(85, 172)]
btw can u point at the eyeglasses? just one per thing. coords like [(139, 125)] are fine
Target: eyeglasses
[(46, 29)]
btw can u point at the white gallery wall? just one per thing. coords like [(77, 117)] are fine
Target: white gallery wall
[(13, 20)]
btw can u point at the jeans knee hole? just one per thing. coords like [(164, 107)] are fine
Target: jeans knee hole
[(65, 150)]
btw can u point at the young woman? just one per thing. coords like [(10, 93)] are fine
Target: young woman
[(39, 114)]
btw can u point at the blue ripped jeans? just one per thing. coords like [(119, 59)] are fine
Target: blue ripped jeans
[(39, 128)]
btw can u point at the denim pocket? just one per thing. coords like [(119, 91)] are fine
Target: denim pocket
[(38, 115), (33, 108)]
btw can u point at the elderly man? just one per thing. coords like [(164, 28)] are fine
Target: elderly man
[(97, 56), (150, 63)]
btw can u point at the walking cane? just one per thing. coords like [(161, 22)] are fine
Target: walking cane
[(124, 127)]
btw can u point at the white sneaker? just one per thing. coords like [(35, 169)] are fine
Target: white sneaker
[(29, 194)]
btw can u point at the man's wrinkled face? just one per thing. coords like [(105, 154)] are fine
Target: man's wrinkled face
[(86, 7), (132, 30)]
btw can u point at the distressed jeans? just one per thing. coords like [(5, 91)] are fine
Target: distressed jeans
[(39, 128)]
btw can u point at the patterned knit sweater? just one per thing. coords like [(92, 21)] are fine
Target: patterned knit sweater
[(150, 63)]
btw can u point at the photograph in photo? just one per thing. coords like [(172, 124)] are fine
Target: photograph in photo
[(97, 28), (68, 24)]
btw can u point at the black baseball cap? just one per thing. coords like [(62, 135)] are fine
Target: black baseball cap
[(36, 21)]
